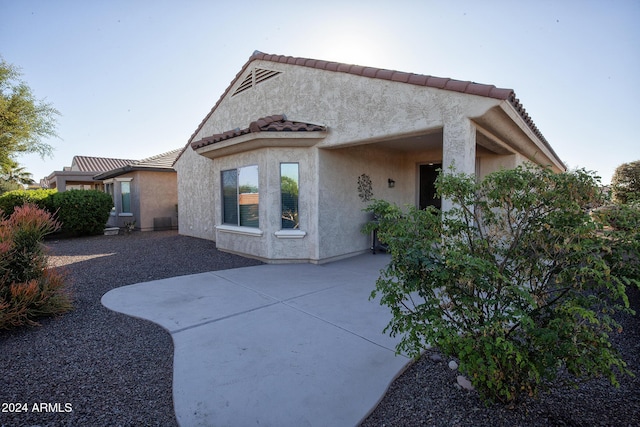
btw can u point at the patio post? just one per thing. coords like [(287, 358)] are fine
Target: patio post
[(458, 150)]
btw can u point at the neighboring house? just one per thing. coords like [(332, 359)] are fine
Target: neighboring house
[(79, 176), (144, 192), (293, 151)]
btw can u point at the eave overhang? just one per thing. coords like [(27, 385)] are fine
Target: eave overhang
[(121, 171), (253, 141), (270, 131), (504, 128)]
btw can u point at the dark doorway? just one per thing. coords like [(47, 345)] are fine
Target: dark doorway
[(428, 196)]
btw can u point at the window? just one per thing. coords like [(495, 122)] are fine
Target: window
[(108, 188), (240, 197), (125, 194), (289, 195)]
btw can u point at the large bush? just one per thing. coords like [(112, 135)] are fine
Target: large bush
[(82, 212), (623, 231), (11, 199), (514, 280), (625, 183), (28, 289)]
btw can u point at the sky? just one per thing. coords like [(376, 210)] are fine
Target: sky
[(135, 78)]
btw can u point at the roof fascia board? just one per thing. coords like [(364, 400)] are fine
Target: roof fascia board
[(71, 173), (544, 146), (117, 172)]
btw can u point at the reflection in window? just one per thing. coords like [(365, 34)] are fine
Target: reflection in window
[(230, 197), (248, 196), (108, 188), (125, 191), (289, 194), (240, 197)]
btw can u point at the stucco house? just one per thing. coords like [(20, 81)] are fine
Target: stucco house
[(145, 193), (79, 176), (284, 163)]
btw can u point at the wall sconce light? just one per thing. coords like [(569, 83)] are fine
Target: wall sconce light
[(392, 183)]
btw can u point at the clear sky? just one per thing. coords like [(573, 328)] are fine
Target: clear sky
[(134, 78)]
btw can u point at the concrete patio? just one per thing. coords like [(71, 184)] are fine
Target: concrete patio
[(273, 345)]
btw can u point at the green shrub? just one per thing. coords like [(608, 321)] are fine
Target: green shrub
[(622, 229), (82, 212), (515, 280), (11, 199), (28, 289)]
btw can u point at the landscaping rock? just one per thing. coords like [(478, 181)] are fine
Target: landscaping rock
[(111, 369), (435, 357), (453, 365), (464, 383)]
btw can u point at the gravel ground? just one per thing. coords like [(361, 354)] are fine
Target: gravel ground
[(111, 369), (114, 370), (426, 394)]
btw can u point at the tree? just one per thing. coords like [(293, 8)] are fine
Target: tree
[(626, 183), (13, 173), (514, 280), (6, 186), (24, 120)]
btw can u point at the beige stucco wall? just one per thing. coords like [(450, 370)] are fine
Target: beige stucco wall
[(355, 109), (157, 194), (153, 195), (362, 115), (197, 185)]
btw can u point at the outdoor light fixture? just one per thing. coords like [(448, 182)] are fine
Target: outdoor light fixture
[(392, 183)]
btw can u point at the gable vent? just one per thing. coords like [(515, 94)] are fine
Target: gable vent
[(257, 75)]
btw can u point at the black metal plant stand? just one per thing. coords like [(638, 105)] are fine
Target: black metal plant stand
[(376, 244)]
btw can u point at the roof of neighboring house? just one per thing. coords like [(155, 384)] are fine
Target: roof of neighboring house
[(97, 164), (158, 163), (164, 160), (275, 123)]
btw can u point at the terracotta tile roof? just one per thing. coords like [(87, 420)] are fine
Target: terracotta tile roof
[(467, 87), (97, 164), (396, 76), (275, 123)]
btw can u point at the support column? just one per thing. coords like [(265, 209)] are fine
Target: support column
[(458, 149)]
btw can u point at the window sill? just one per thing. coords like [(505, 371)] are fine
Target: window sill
[(290, 234), (245, 231), (125, 214)]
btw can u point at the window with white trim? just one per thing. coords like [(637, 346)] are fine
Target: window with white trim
[(289, 195), (240, 197), (125, 194)]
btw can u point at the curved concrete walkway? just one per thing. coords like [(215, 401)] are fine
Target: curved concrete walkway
[(273, 345)]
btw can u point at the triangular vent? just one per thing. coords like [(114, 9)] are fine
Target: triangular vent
[(257, 75)]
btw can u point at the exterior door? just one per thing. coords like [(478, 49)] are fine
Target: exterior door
[(427, 180)]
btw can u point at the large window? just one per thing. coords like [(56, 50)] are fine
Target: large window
[(289, 195), (240, 197), (125, 193)]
